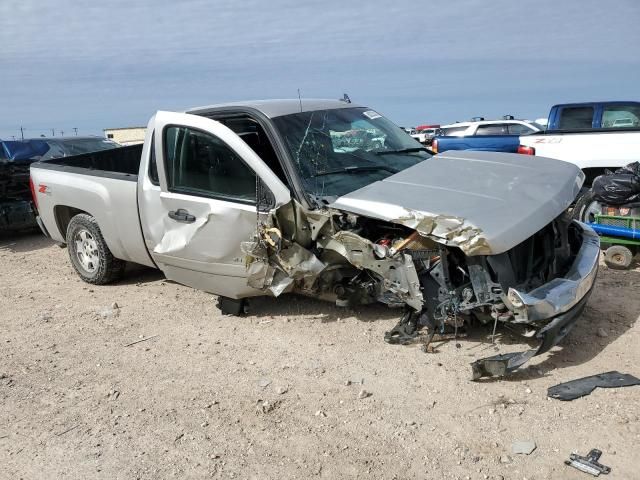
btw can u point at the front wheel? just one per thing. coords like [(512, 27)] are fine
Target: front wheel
[(89, 253)]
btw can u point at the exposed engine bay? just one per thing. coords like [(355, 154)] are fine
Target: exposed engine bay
[(353, 260)]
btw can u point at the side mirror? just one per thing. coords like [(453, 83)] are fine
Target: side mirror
[(265, 199)]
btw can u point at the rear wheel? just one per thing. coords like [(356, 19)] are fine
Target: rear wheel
[(89, 253), (618, 257), (586, 208)]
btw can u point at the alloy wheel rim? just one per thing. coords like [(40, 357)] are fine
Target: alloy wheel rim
[(87, 250)]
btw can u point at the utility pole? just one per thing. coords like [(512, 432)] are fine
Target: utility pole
[(75, 129), (22, 132), (53, 132)]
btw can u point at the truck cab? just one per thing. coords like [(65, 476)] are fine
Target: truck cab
[(594, 115)]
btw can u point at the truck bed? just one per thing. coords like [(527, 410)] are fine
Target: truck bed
[(118, 162), (592, 150), (101, 184)]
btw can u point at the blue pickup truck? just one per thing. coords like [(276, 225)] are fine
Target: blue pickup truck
[(485, 135)]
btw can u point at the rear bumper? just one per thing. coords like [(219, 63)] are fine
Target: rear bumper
[(561, 295)]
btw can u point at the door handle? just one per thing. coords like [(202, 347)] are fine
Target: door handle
[(181, 215)]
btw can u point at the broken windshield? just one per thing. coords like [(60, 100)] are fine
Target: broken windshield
[(341, 150)]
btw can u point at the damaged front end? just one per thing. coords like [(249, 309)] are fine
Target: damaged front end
[(329, 255), (438, 269)]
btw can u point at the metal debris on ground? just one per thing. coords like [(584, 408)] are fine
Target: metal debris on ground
[(500, 365), (588, 464), (584, 386)]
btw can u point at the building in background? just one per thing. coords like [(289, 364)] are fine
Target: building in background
[(125, 136)]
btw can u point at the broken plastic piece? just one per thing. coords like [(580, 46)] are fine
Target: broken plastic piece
[(500, 365), (588, 464), (405, 330), (584, 386)]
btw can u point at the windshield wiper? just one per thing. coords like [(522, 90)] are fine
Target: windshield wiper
[(356, 168), (402, 150)]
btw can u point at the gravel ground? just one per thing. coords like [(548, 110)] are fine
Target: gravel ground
[(297, 389)]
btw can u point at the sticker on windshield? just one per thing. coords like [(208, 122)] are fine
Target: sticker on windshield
[(371, 115)]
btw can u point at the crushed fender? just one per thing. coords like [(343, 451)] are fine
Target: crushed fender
[(275, 263)]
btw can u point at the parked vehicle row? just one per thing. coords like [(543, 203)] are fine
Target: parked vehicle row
[(484, 135), (262, 198)]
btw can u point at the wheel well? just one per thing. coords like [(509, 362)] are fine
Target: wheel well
[(63, 215)]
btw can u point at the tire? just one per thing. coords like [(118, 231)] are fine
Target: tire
[(89, 253), (618, 257), (586, 207)]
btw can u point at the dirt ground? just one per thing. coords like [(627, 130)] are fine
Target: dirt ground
[(275, 395)]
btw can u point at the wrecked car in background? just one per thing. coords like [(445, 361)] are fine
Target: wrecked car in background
[(332, 200), (16, 212)]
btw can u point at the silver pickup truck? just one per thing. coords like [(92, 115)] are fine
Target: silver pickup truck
[(332, 200)]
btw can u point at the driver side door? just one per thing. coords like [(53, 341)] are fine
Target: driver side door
[(201, 205)]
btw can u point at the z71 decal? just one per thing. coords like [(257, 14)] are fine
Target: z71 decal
[(548, 140)]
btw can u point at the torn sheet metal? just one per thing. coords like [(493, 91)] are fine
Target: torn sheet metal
[(274, 263), (584, 386), (447, 230), (398, 274)]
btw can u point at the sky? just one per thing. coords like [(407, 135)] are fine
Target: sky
[(91, 65)]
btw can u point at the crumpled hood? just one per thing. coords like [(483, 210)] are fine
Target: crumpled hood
[(483, 202)]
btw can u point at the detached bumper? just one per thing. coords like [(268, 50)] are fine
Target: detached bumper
[(561, 294), (556, 305)]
